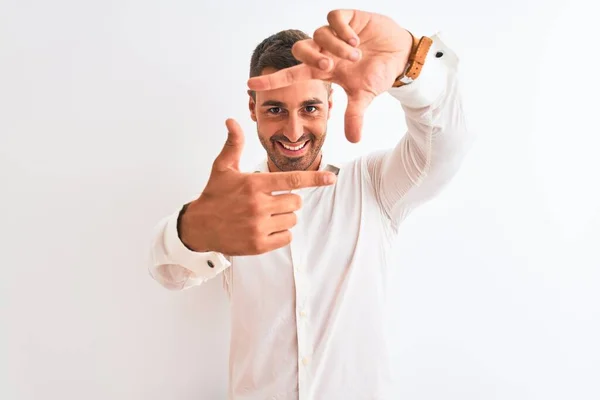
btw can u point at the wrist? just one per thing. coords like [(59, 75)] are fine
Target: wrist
[(179, 225), (191, 232), (415, 60), (406, 41)]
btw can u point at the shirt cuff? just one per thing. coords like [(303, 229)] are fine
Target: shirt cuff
[(431, 83), (204, 265)]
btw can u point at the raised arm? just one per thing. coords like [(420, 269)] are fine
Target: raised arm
[(430, 153)]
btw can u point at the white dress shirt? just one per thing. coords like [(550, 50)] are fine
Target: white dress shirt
[(309, 320)]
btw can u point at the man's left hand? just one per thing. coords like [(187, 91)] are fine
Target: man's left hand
[(362, 52)]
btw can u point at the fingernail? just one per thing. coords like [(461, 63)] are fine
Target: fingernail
[(355, 55), (353, 42), (324, 63), (329, 178)]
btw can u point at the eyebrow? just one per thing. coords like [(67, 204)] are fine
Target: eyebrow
[(305, 103)]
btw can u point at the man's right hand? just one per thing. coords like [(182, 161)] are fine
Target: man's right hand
[(237, 213)]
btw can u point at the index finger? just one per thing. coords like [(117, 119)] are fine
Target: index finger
[(276, 181), (285, 77)]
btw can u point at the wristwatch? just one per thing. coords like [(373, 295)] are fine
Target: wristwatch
[(416, 60)]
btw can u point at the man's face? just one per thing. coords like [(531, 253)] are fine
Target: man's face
[(292, 123)]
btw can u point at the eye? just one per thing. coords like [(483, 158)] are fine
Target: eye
[(274, 110), (310, 109)]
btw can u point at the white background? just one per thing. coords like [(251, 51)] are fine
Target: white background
[(111, 113)]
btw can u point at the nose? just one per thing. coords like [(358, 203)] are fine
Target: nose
[(294, 128)]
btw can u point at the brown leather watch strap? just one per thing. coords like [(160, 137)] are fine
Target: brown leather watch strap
[(416, 60)]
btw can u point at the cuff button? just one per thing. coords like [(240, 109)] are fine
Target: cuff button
[(210, 264)]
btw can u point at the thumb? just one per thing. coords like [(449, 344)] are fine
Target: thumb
[(353, 119), (232, 150)]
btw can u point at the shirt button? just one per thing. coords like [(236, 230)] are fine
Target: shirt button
[(305, 361), (303, 313)]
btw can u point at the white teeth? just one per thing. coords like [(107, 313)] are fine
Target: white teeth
[(294, 148)]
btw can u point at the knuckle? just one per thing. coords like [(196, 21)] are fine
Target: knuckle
[(300, 49), (301, 45), (254, 237), (318, 179), (249, 185), (296, 50), (256, 232), (229, 142), (258, 246), (216, 164), (294, 180), (289, 75), (254, 207), (320, 33), (331, 15)]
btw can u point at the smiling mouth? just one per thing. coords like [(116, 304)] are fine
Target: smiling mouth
[(296, 149)]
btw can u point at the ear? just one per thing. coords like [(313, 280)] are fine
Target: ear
[(252, 106)]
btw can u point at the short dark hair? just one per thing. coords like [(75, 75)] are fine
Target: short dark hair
[(275, 52)]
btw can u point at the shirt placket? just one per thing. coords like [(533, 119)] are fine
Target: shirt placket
[(302, 313)]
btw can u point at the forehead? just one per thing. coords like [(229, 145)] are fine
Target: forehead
[(295, 93)]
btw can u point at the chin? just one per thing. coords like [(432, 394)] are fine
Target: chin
[(293, 163)]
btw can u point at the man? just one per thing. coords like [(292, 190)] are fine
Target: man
[(303, 253)]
